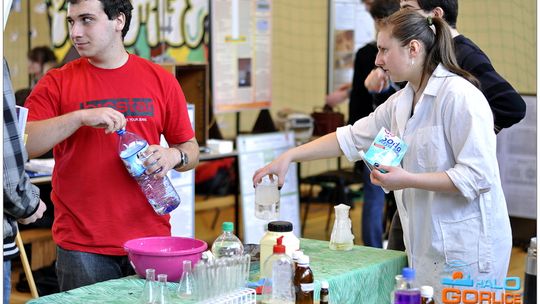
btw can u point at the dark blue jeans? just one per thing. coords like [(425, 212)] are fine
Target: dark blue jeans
[(372, 212), (75, 268), (7, 281)]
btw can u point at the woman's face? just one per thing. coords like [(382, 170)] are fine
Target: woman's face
[(393, 58), (34, 68)]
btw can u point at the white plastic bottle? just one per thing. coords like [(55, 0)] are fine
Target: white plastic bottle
[(227, 244), (267, 242), (159, 191)]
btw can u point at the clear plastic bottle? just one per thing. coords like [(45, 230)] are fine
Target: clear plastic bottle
[(529, 288), (324, 295), (406, 292), (279, 289), (427, 295), (159, 191), (227, 244), (303, 281), (149, 293)]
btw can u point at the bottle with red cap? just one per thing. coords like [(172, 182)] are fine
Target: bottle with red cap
[(278, 287)]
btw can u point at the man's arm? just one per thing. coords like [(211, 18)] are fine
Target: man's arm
[(43, 135), (191, 148), (507, 105)]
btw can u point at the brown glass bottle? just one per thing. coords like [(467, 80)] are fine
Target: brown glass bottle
[(427, 295), (303, 281)]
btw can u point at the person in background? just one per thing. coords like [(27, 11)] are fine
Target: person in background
[(448, 190), (40, 60), (21, 198), (361, 104), (76, 110), (507, 106)]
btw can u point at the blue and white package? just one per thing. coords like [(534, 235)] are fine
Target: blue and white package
[(387, 149)]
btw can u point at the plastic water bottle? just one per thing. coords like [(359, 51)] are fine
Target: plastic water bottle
[(227, 244), (159, 191)]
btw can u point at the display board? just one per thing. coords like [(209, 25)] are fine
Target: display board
[(255, 151), (516, 152), (240, 54), (183, 218), (351, 27)]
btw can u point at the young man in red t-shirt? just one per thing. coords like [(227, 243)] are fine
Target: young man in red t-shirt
[(76, 110)]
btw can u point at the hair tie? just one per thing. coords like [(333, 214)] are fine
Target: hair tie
[(429, 21)]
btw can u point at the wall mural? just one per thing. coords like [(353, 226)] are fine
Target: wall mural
[(160, 30)]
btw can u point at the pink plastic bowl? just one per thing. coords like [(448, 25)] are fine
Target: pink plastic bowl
[(165, 254)]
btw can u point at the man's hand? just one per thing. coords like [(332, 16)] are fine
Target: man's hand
[(377, 81), (160, 160), (107, 118), (36, 216), (339, 95)]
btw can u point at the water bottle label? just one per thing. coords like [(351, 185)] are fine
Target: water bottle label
[(134, 162)]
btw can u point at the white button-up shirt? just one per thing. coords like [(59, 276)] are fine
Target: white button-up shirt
[(451, 130)]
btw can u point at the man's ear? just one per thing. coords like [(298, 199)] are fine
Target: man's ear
[(438, 12), (120, 21)]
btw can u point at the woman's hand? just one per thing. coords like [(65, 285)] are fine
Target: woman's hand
[(395, 178), (278, 167)]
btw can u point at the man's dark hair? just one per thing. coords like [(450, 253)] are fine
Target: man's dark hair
[(450, 8), (113, 8), (383, 8)]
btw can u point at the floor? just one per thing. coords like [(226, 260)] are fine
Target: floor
[(314, 229)]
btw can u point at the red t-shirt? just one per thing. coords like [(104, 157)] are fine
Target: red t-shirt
[(98, 205)]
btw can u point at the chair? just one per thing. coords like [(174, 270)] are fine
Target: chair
[(341, 180), (43, 252)]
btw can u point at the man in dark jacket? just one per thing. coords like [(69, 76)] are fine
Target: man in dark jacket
[(21, 198)]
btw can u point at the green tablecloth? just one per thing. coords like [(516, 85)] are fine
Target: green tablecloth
[(362, 275)]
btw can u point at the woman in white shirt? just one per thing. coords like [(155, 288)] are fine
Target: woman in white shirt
[(448, 190)]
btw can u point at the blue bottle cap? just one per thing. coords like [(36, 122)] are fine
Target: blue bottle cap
[(408, 273), (121, 131)]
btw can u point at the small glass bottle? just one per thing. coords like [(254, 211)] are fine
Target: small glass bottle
[(163, 296), (529, 288), (149, 293), (227, 244), (324, 295), (185, 287), (427, 295), (295, 257), (406, 291), (303, 281)]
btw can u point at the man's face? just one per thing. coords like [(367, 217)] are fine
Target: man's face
[(91, 31), (413, 6)]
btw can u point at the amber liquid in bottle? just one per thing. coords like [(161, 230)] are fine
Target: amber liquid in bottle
[(303, 282)]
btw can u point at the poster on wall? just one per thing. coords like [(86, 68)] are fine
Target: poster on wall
[(160, 30), (516, 152), (254, 152), (350, 31), (240, 54)]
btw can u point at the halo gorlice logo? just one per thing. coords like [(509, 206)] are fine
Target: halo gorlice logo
[(461, 289)]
